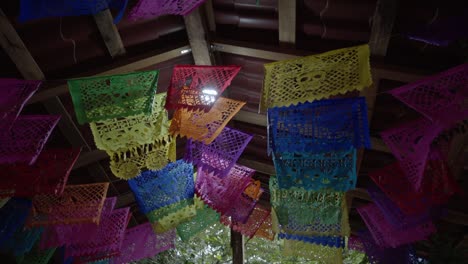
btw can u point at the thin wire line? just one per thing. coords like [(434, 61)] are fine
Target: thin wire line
[(69, 39), (321, 19)]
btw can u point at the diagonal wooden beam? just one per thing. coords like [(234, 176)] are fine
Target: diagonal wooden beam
[(382, 26), (197, 37), (210, 16), (15, 48), (287, 21), (109, 33)]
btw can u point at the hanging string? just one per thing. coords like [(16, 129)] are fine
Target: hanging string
[(434, 18), (69, 39), (321, 19)]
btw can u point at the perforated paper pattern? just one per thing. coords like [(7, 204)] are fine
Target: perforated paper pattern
[(36, 256), (266, 229), (315, 77), (240, 210), (441, 97), (328, 241), (204, 126), (141, 242), (22, 241), (312, 251), (169, 217), (222, 193), (146, 9), (48, 175), (77, 204), (12, 217), (104, 243), (325, 125), (410, 144), (37, 9), (198, 87), (107, 97), (385, 235), (256, 219), (24, 141), (309, 213), (220, 155), (68, 234), (205, 218), (315, 171), (156, 189), (122, 134), (13, 96), (393, 213), (154, 156), (437, 186)]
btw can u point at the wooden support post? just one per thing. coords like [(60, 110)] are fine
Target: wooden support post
[(382, 26), (210, 16), (109, 33), (237, 245), (197, 37), (287, 21)]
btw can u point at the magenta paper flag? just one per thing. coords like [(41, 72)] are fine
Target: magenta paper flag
[(106, 242), (440, 98), (147, 9), (26, 138), (220, 155), (386, 235), (410, 144), (13, 96), (222, 193), (141, 242)]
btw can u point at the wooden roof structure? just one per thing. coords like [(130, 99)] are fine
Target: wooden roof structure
[(244, 32)]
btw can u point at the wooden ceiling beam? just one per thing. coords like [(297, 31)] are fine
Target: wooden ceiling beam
[(197, 37), (210, 15), (287, 22), (109, 33), (379, 70), (15, 48), (130, 67), (20, 55)]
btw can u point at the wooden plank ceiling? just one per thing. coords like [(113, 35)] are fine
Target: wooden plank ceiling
[(206, 38)]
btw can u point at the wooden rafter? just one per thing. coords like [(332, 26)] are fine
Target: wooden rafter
[(197, 37), (133, 66), (287, 21), (20, 55), (109, 33), (210, 16)]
